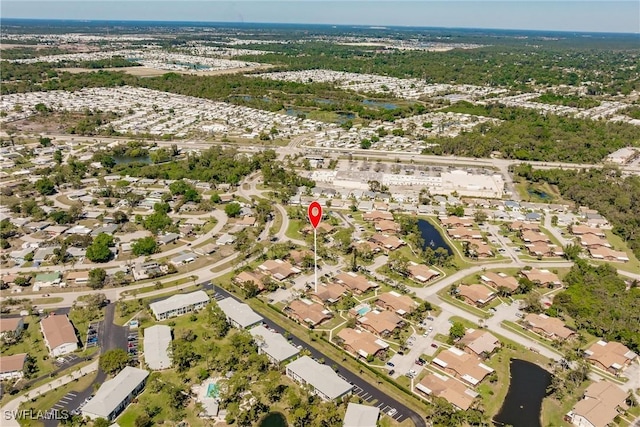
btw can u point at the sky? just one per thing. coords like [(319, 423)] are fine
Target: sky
[(561, 15)]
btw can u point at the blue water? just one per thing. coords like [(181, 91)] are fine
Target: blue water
[(385, 105), (213, 390), (432, 238), (274, 419), (364, 310)]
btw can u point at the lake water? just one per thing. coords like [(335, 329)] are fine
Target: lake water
[(274, 419), (432, 238), (385, 105), (522, 406), (540, 194), (126, 159)]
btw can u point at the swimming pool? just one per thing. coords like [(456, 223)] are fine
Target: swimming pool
[(363, 310), (213, 390)]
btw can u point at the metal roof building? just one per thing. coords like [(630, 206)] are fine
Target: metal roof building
[(179, 304), (239, 314), (322, 380), (157, 347), (274, 345), (115, 394)]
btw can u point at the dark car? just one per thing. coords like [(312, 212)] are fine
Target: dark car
[(390, 364), (391, 372), (434, 345)]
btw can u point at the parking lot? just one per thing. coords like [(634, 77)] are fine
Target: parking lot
[(384, 408), (132, 343), (64, 361), (92, 335)]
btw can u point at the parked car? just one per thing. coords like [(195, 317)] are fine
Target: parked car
[(434, 345), (392, 412), (391, 364), (419, 362), (391, 372)]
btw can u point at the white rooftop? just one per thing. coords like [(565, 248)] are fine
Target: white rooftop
[(178, 301), (239, 312), (157, 347), (320, 376), (114, 391), (273, 344), (361, 416)]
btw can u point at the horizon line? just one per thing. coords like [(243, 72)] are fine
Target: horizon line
[(364, 26)]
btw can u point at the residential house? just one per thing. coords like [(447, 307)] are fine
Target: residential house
[(328, 293), (11, 326), (168, 238), (356, 283), (480, 343), (477, 295), (521, 226), (581, 230), (11, 367), (549, 327), (399, 304), (59, 335), (455, 222), (467, 367), (361, 343), (450, 389), (381, 323), (542, 277), (464, 233), (610, 356), (421, 273), (608, 254), (602, 402), (46, 279), (307, 312), (377, 216), (386, 242), (298, 257), (386, 226), (278, 269), (500, 280), (258, 279), (77, 278)]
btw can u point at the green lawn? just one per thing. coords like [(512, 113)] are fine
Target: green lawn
[(444, 294), (524, 332)]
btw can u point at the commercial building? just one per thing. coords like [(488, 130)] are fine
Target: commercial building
[(157, 347), (361, 416), (11, 366), (114, 395), (601, 403), (240, 315), (179, 304), (59, 335), (320, 379), (273, 344)]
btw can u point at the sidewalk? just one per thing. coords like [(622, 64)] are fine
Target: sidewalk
[(11, 406)]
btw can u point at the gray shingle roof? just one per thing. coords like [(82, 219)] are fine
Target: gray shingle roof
[(321, 377), (273, 344), (114, 391), (239, 313)]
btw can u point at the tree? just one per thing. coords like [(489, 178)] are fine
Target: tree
[(57, 156), (144, 246), (532, 303), (120, 217), (479, 216), (456, 210), (232, 209), (113, 361), (99, 250), (101, 422), (572, 251), (22, 281), (45, 186), (97, 277), (215, 198), (45, 141), (157, 221), (143, 420), (456, 332), (30, 367)]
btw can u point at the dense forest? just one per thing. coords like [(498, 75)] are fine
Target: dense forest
[(597, 299), (528, 135), (606, 71), (615, 197)]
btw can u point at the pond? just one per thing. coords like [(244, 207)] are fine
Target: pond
[(538, 193), (127, 159), (274, 419), (385, 105), (522, 406), (432, 238)]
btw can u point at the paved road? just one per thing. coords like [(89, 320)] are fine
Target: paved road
[(110, 336), (368, 392)]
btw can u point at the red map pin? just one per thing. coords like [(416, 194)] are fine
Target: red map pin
[(314, 213)]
